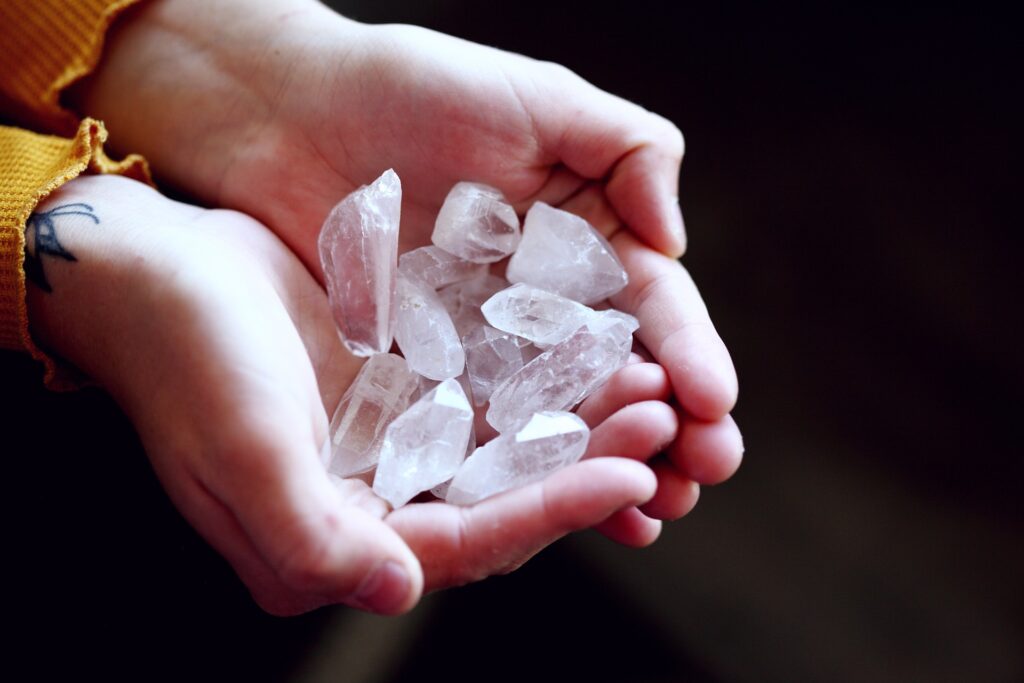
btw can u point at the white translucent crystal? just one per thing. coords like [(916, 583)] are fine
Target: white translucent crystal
[(425, 445), (549, 441), (437, 268), (563, 375), (441, 490), (492, 356), (380, 392), (463, 300), (477, 224), (535, 314), (358, 247), (425, 332), (561, 253)]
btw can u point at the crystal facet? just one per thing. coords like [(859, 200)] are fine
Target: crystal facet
[(425, 332), (561, 253), (380, 392), (463, 301), (358, 250), (441, 490), (563, 375), (425, 445), (540, 316), (437, 268), (477, 224), (492, 356), (548, 441)]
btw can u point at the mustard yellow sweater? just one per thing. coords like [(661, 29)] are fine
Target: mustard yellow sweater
[(45, 46)]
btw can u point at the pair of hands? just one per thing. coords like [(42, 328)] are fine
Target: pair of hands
[(214, 334)]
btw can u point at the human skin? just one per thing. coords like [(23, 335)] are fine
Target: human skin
[(220, 347), (278, 109)]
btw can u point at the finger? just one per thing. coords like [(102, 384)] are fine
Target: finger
[(638, 432), (675, 327), (630, 527), (357, 492), (497, 535), (632, 384), (560, 185), (602, 136), (708, 452), (318, 546), (592, 205), (677, 494)]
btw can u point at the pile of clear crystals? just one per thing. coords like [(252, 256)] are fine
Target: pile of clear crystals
[(529, 348)]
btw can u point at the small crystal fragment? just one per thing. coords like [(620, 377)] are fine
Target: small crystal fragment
[(380, 392), (437, 268), (425, 332), (549, 441), (561, 253), (425, 445), (492, 356), (540, 316), (477, 224), (358, 247), (463, 301), (563, 375)]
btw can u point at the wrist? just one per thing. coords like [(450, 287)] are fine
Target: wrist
[(86, 265)]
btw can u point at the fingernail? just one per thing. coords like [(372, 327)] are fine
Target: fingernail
[(385, 590)]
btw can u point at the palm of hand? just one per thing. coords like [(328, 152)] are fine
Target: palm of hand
[(247, 473)]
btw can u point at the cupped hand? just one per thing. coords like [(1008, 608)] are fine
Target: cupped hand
[(281, 109), (221, 349)]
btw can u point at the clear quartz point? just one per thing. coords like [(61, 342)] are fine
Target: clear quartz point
[(492, 356), (425, 445), (562, 253), (358, 247), (437, 268), (535, 314), (477, 224), (547, 442), (564, 375), (425, 332), (380, 392)]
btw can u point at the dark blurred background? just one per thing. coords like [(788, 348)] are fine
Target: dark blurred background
[(851, 203)]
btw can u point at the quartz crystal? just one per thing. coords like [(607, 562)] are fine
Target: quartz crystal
[(561, 253), (563, 375), (477, 224), (441, 490), (542, 317), (549, 441), (380, 392), (358, 250), (463, 300), (425, 445), (492, 356), (437, 268), (425, 332)]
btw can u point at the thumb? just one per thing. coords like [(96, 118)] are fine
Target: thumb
[(269, 508), (322, 549)]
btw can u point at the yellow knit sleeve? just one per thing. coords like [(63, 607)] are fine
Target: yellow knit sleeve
[(31, 167), (45, 46)]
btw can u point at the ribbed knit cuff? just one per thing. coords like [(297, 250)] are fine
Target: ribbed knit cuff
[(31, 167), (45, 46)]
